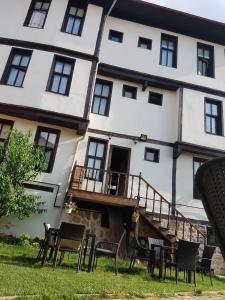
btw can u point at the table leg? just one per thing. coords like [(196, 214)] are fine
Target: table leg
[(91, 253), (162, 262), (189, 276)]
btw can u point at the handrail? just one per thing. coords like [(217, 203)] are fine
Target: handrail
[(132, 187)]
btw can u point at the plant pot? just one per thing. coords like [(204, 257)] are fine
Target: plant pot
[(68, 210)]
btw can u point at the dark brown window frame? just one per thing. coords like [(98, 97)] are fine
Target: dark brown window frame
[(8, 66), (133, 89), (103, 160), (155, 151), (211, 61), (30, 11), (78, 4), (111, 31), (155, 94), (220, 116), (174, 39), (49, 130), (51, 75), (142, 40), (110, 84), (5, 122)]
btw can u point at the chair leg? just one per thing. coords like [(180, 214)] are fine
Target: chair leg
[(195, 277), (202, 276), (116, 266), (45, 251), (210, 276), (61, 258), (176, 274), (40, 251), (164, 273), (55, 258), (170, 271), (51, 253)]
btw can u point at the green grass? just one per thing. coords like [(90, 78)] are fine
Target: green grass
[(21, 274)]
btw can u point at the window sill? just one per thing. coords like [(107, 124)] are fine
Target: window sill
[(55, 93), (214, 134), (107, 116), (72, 34), (13, 86), (33, 27)]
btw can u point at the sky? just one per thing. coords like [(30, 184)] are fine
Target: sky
[(211, 9)]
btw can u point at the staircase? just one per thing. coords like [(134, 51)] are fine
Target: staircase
[(167, 221), (129, 190)]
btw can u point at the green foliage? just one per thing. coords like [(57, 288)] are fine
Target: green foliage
[(25, 239), (20, 161)]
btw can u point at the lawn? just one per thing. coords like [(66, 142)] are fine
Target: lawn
[(21, 274)]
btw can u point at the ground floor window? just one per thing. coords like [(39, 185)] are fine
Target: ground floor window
[(211, 237), (5, 128)]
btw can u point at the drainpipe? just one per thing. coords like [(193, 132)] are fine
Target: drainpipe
[(94, 68)]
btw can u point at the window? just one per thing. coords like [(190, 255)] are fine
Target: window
[(129, 91), (211, 237), (205, 60), (155, 98), (102, 97), (152, 155), (16, 67), (37, 13), (74, 18), (61, 75), (48, 139), (116, 36), (213, 119), (5, 129), (197, 163), (144, 43), (168, 55), (96, 153)]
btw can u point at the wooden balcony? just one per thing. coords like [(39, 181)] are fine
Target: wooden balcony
[(104, 187)]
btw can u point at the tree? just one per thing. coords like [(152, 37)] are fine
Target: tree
[(20, 161)]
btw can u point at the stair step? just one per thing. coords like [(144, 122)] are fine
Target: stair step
[(172, 237), (164, 229)]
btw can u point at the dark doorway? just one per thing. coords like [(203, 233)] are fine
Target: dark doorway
[(119, 165)]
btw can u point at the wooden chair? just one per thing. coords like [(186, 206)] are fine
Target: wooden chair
[(210, 185), (157, 246), (108, 249), (204, 265), (71, 238)]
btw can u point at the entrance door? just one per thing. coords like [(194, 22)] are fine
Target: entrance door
[(119, 165)]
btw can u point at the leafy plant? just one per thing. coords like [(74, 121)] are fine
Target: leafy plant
[(20, 161), (25, 239), (71, 205)]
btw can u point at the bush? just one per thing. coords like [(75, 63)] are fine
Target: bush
[(25, 239)]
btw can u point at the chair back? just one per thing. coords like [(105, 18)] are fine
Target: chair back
[(47, 226), (210, 184), (158, 242), (207, 256), (75, 232), (186, 255)]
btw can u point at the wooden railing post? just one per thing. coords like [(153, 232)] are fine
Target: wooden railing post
[(139, 186)]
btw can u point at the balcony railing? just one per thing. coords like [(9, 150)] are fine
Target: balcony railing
[(131, 186)]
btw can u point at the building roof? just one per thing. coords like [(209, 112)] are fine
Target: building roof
[(168, 19)]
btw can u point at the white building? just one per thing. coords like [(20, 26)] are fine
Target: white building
[(121, 86)]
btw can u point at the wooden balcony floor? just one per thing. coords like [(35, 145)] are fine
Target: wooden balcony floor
[(103, 198)]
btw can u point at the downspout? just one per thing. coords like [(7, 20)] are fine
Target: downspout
[(94, 68)]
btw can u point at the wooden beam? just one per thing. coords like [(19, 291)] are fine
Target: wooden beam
[(103, 198)]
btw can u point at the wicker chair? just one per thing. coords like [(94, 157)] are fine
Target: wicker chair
[(71, 238), (108, 249), (185, 258), (204, 266), (210, 184), (143, 253)]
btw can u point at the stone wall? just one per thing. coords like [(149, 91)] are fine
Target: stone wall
[(92, 219)]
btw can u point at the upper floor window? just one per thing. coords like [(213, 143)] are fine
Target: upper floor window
[(144, 43), (37, 13), (95, 160), (213, 118), (116, 36), (16, 67), (152, 155), (74, 17), (129, 91), (48, 139), (168, 54), (197, 163), (5, 129), (61, 75), (155, 98), (205, 60), (102, 97)]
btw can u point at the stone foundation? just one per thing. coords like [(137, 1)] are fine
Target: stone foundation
[(92, 220)]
